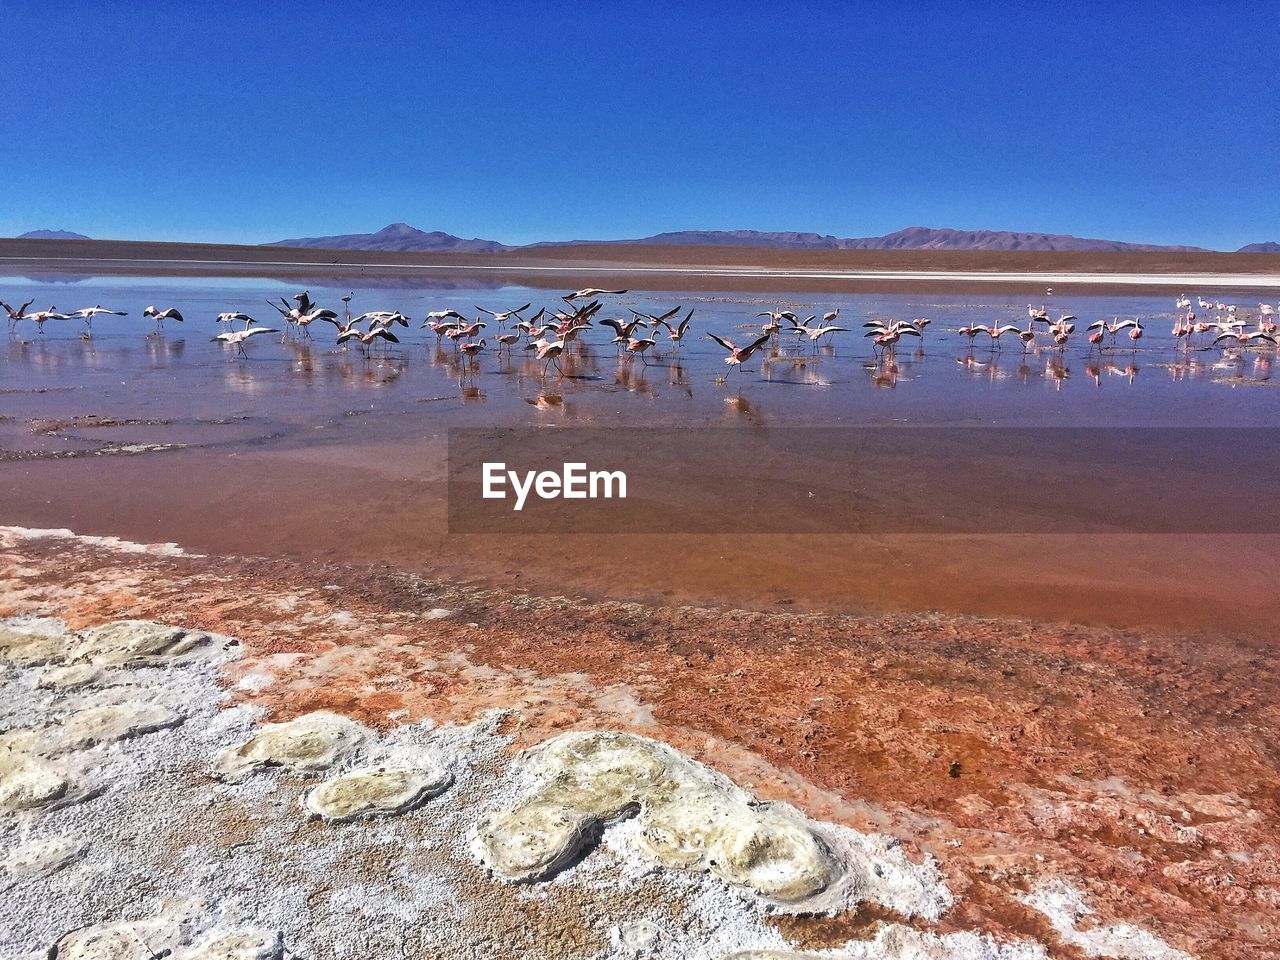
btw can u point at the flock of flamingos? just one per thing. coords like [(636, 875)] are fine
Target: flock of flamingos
[(549, 332)]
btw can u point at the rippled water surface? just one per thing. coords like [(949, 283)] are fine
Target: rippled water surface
[(308, 448), (127, 369)]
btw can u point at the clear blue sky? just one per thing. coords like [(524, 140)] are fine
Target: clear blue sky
[(1156, 122)]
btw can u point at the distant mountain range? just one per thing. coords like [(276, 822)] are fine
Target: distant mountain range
[(912, 238), (402, 238), (52, 235), (399, 238)]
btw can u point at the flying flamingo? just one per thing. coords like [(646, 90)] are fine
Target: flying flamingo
[(305, 320), (815, 334), (623, 332), (503, 316), (161, 316), (238, 337), (739, 355), (88, 313), (18, 314), (777, 316), (591, 292), (1245, 338), (40, 317), (677, 332)]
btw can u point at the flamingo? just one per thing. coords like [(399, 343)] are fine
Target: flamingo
[(474, 348), (1245, 338), (535, 333), (777, 316), (346, 326), (305, 320), (739, 355), (815, 334), (677, 332), (548, 351), (653, 320), (592, 292), (160, 316), (505, 315), (997, 331), (441, 315), (238, 337), (623, 332), (532, 322), (1181, 330), (772, 327), (40, 317), (441, 327), (464, 332), (88, 313), (638, 345), (288, 314), (1135, 329), (888, 337), (18, 314), (366, 338)]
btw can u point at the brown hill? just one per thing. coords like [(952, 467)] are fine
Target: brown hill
[(397, 238)]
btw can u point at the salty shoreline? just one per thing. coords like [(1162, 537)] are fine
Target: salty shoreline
[(674, 267), (1035, 763), (1245, 281)]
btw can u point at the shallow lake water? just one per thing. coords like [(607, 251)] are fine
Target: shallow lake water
[(307, 448)]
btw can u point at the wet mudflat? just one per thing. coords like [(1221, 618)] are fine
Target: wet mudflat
[(1017, 787)]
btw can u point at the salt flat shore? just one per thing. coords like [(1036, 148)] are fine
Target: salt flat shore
[(672, 267), (237, 757)]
